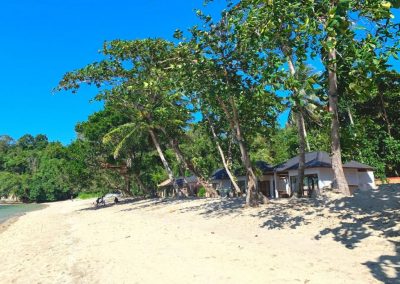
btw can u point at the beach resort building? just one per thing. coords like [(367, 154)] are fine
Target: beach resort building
[(318, 176), (187, 185)]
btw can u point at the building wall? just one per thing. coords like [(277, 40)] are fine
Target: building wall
[(222, 184), (366, 180), (351, 176), (354, 178), (325, 177)]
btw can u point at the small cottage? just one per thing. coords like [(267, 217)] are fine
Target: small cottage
[(318, 175), (188, 186)]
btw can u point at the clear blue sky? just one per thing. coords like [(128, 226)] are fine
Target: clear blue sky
[(40, 40)]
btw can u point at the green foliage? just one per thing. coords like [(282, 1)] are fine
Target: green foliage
[(88, 195), (201, 192)]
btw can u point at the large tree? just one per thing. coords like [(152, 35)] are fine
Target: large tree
[(142, 78)]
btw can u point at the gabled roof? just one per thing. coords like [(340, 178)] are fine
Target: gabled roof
[(219, 174), (357, 165), (318, 159), (264, 167), (261, 165)]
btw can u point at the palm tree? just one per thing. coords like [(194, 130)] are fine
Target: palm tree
[(303, 110)]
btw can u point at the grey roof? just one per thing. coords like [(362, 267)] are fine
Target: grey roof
[(357, 165), (221, 174), (264, 167), (319, 159)]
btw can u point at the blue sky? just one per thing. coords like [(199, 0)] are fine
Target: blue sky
[(42, 39)]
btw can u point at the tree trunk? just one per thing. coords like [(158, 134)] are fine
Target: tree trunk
[(127, 189), (307, 144), (234, 123), (302, 154), (140, 184), (301, 131), (224, 161), (189, 165), (350, 116), (340, 179), (181, 171), (251, 194), (163, 160)]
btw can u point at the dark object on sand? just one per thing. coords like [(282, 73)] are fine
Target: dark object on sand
[(100, 201), (116, 200)]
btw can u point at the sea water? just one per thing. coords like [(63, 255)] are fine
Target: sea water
[(9, 211)]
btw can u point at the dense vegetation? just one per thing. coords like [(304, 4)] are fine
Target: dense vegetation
[(213, 97)]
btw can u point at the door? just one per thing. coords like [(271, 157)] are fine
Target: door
[(264, 188)]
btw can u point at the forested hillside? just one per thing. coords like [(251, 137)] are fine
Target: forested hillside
[(212, 98)]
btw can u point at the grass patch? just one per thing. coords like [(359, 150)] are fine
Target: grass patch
[(88, 195)]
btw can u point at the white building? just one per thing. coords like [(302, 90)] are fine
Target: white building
[(318, 175)]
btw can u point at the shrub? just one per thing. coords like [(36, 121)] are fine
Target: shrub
[(201, 192), (88, 195)]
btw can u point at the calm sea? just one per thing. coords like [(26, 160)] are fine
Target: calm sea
[(9, 211)]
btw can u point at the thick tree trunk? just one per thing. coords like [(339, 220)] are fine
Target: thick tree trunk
[(337, 166), (307, 143), (163, 160), (140, 184), (251, 194), (224, 161), (302, 153), (127, 189), (189, 165)]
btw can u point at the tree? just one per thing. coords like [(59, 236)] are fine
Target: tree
[(147, 89), (229, 86), (310, 29)]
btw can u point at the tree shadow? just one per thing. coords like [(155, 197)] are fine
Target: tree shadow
[(379, 268), (370, 213), (94, 207), (367, 213), (289, 213), (156, 203), (218, 207)]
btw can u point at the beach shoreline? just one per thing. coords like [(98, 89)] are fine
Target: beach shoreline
[(7, 223), (13, 217), (197, 240)]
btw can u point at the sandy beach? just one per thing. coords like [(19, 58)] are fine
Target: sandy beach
[(335, 240)]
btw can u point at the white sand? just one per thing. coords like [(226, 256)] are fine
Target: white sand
[(206, 241)]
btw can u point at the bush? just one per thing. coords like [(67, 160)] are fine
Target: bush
[(88, 195), (201, 192)]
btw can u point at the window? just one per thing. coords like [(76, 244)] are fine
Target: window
[(310, 184)]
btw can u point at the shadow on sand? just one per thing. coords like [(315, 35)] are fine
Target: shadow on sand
[(367, 213), (370, 213), (111, 204)]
